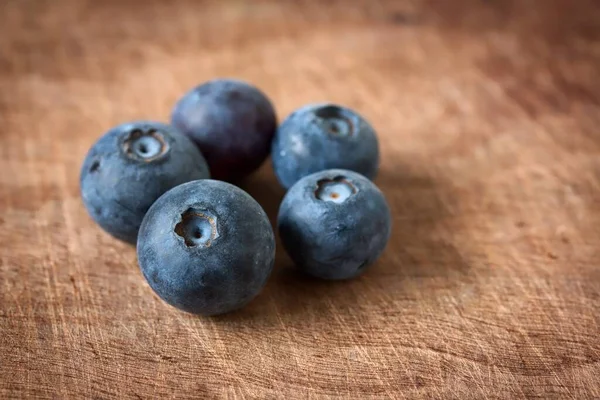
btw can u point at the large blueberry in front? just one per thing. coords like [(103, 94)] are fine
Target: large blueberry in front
[(233, 124), (334, 224), (324, 136), (130, 167), (206, 247)]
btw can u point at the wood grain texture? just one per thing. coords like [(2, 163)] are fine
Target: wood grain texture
[(488, 114)]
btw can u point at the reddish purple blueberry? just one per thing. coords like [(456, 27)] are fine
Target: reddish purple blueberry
[(233, 124)]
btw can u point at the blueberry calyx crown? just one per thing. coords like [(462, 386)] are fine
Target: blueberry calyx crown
[(198, 228), (145, 145), (335, 121), (336, 190)]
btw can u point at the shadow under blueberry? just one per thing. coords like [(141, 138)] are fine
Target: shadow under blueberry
[(423, 223), (418, 251), (266, 190)]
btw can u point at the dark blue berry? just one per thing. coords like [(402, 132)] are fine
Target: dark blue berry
[(334, 223), (233, 124), (130, 167), (206, 247), (324, 136)]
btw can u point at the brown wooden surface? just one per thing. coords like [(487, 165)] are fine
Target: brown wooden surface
[(489, 121)]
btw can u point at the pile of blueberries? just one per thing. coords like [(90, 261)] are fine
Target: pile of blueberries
[(206, 246)]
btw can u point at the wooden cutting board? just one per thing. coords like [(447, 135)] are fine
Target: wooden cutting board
[(489, 120)]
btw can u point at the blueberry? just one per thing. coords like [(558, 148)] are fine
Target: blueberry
[(317, 137), (206, 247), (334, 223), (232, 123), (132, 165)]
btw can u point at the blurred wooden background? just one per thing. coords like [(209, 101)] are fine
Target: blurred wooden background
[(489, 121)]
